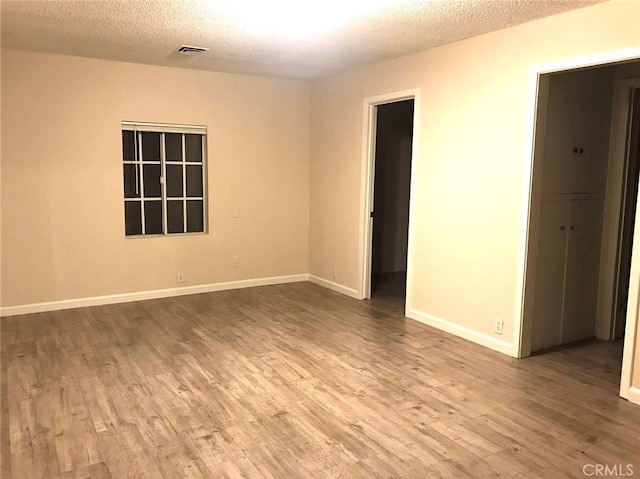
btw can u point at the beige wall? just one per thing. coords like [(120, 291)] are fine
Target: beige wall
[(468, 178), (62, 193)]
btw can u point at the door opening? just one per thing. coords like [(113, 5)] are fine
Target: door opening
[(391, 193), (573, 160), (390, 146), (581, 279)]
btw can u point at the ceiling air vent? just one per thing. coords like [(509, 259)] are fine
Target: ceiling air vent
[(189, 50)]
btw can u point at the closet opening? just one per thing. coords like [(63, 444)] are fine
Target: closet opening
[(584, 192)]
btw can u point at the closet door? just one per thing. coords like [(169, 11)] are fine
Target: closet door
[(583, 265), (552, 248)]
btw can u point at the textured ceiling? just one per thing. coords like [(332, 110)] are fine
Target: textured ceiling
[(284, 38)]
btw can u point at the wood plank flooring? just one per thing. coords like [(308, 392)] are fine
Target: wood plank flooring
[(296, 381)]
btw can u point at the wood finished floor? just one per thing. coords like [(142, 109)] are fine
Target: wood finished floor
[(296, 381)]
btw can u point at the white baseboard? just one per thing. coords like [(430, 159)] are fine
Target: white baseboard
[(334, 286), (463, 332), (632, 395), (441, 324), (143, 295)]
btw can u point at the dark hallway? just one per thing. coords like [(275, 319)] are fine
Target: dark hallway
[(394, 138)]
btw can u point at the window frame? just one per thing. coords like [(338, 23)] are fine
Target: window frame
[(138, 128)]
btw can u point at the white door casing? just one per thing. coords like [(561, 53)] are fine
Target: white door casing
[(367, 186)]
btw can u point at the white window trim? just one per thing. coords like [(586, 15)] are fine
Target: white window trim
[(164, 127)]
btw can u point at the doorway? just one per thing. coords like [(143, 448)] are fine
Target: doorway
[(391, 193), (572, 162), (580, 280), (390, 149)]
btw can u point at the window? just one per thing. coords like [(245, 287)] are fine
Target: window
[(164, 178)]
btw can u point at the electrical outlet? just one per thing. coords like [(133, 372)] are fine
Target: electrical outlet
[(499, 326), (236, 261), (180, 277), (334, 275)]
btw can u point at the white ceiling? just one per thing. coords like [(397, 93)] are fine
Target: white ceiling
[(284, 38)]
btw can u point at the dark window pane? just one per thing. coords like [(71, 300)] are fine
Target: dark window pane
[(128, 149), (152, 181), (132, 218), (175, 216), (194, 180), (195, 220), (193, 147), (173, 146), (130, 181), (151, 146), (174, 181), (153, 217)]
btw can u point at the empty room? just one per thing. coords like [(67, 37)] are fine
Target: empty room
[(338, 239)]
